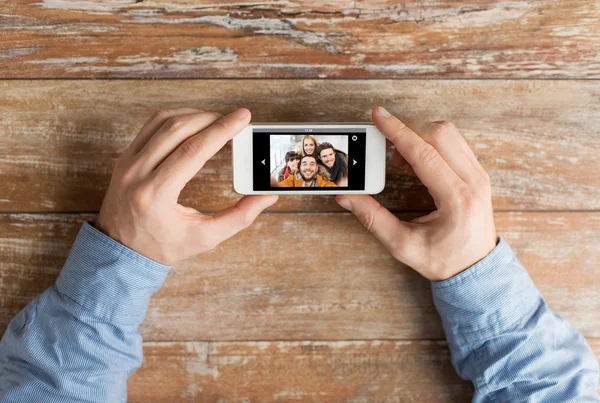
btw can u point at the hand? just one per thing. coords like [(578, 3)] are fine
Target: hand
[(461, 231), (140, 209)]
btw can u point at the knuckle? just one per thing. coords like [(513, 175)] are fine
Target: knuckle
[(427, 154), (175, 123), (368, 218), (397, 128), (465, 197), (161, 114), (399, 125), (189, 148), (220, 123), (443, 128), (126, 177), (141, 198)]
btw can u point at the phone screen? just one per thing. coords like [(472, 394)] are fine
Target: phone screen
[(306, 159)]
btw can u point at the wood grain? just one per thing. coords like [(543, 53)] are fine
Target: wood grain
[(293, 39), (539, 140), (310, 276), (305, 305), (306, 371)]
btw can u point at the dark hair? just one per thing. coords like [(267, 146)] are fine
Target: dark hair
[(291, 155), (324, 146), (309, 156)]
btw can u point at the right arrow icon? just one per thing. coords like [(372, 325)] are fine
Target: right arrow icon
[(353, 162)]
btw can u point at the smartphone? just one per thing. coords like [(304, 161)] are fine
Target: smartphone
[(309, 158)]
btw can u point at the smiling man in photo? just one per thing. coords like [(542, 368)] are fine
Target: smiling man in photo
[(307, 176), (335, 161)]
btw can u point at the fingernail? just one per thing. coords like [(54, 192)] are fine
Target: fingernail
[(345, 203), (382, 112), (241, 113)]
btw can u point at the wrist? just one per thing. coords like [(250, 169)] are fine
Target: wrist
[(482, 253), (487, 298)]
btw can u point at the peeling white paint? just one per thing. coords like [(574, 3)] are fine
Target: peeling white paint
[(12, 53), (68, 60), (91, 5), (500, 13), (570, 31), (260, 26), (194, 55), (402, 67)]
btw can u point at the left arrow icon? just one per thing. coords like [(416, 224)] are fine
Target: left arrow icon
[(263, 162)]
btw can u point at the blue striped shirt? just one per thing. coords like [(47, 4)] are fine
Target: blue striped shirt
[(79, 340)]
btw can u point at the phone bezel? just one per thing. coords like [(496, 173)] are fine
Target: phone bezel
[(375, 150)]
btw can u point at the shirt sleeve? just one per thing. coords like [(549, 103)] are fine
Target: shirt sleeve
[(505, 339), (79, 340)]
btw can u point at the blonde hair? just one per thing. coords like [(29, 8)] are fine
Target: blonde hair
[(313, 139)]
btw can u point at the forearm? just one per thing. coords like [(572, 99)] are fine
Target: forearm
[(78, 340), (505, 339)]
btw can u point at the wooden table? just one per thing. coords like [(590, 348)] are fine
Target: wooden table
[(255, 320)]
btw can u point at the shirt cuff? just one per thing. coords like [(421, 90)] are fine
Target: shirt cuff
[(108, 279), (490, 297)]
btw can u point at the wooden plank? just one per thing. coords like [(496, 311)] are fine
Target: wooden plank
[(293, 39), (310, 276), (315, 371), (539, 140)]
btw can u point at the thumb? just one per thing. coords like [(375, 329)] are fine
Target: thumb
[(228, 222), (390, 231)]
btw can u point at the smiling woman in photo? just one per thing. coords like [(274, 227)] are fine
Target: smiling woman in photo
[(309, 145)]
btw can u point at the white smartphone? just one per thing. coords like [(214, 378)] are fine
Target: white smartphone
[(309, 158)]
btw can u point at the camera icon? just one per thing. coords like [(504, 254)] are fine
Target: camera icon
[(354, 138)]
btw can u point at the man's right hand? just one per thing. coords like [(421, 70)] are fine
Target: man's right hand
[(461, 231), (141, 209)]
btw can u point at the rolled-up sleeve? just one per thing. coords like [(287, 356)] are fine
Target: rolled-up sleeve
[(506, 340), (79, 340)]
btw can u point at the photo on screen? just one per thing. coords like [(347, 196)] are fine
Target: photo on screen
[(298, 160)]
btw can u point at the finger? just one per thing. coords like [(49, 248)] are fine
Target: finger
[(169, 136), (469, 151), (463, 143), (228, 222), (441, 181), (451, 145), (157, 119), (185, 162), (390, 231)]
